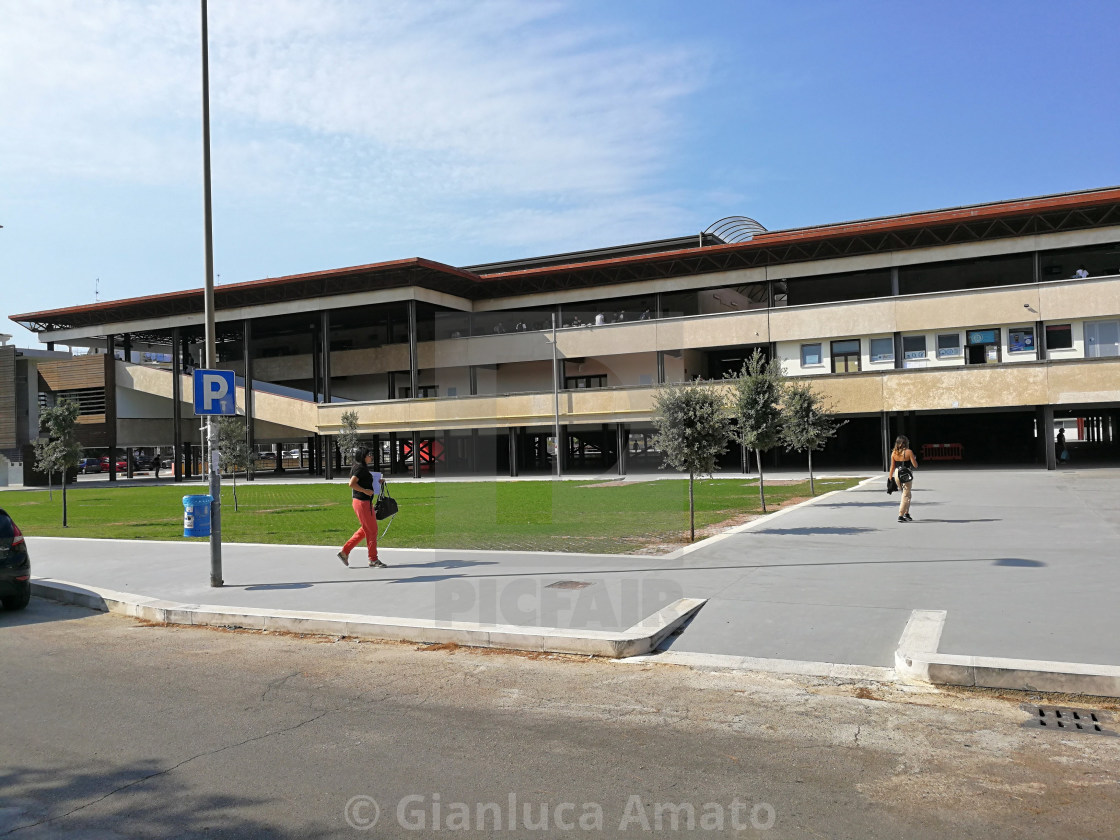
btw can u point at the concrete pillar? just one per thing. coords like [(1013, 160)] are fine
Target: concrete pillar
[(127, 346), (316, 362), (278, 451), (176, 407), (247, 367)]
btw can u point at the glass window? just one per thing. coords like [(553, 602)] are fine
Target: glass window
[(810, 354), (1020, 340), (1102, 338), (949, 345), (857, 285), (845, 356), (1059, 336), (1093, 260), (882, 349), (966, 274), (913, 347)]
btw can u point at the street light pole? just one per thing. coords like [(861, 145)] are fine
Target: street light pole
[(555, 399), (211, 339)]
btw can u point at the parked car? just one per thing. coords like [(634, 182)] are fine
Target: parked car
[(89, 465), (122, 465), (15, 565)]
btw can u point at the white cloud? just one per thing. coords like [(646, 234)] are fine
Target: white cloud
[(508, 110)]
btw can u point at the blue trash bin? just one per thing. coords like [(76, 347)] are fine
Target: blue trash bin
[(196, 516)]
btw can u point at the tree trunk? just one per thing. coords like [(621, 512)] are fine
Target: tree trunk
[(691, 511), (812, 486), (761, 484), (234, 473), (64, 498), (50, 484)]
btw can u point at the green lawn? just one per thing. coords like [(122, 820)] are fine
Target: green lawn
[(523, 516)]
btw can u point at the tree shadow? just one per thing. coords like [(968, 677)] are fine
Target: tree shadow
[(138, 799), (258, 587), (1018, 561)]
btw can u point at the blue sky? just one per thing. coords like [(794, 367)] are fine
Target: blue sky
[(355, 131)]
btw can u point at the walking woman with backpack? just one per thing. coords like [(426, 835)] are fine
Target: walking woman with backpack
[(362, 488), (903, 463)]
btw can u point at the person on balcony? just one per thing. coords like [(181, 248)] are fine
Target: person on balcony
[(1081, 273)]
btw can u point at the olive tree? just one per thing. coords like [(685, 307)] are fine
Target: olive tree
[(693, 429), (808, 423), (756, 406), (59, 451), (348, 435), (234, 452)]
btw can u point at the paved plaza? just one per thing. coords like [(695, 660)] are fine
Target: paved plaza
[(1024, 562)]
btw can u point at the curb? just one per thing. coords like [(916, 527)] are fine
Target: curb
[(918, 661), (642, 638)]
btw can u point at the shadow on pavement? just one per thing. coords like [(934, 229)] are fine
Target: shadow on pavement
[(54, 801), (809, 532)]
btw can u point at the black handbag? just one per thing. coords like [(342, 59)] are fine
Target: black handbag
[(386, 505)]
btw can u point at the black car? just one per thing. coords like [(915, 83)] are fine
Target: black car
[(15, 565)]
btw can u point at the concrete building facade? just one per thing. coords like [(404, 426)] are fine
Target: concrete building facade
[(974, 330)]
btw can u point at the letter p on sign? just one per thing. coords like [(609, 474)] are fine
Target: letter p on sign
[(214, 392)]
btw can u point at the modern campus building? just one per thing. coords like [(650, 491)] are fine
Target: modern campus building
[(973, 330)]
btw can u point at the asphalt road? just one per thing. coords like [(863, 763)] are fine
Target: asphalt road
[(114, 729)]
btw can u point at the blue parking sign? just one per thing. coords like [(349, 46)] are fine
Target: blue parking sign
[(215, 392)]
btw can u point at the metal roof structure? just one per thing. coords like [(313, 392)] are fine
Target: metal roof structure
[(661, 259)]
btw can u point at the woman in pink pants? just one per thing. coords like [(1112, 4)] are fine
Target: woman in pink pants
[(361, 486)]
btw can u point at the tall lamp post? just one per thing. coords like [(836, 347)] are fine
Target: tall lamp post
[(211, 340)]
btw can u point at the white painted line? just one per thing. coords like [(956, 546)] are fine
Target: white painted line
[(917, 660), (641, 638)]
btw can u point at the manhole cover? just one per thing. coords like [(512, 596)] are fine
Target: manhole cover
[(1071, 720), (569, 584)]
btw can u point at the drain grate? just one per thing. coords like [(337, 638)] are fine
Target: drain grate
[(569, 584), (1071, 720)]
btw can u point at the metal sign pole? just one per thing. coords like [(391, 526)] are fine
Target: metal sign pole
[(211, 342)]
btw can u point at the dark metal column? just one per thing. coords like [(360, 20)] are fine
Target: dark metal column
[(1046, 436), (127, 345), (111, 402), (660, 367), (325, 356), (898, 354), (513, 452), (413, 361), (415, 455), (176, 408), (894, 281), (247, 370), (623, 448), (885, 430), (377, 453)]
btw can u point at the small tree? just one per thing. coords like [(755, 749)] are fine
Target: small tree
[(755, 405), (693, 428), (60, 451), (234, 452), (807, 423), (348, 435)]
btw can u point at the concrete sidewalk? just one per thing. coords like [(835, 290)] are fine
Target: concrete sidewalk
[(1023, 564)]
